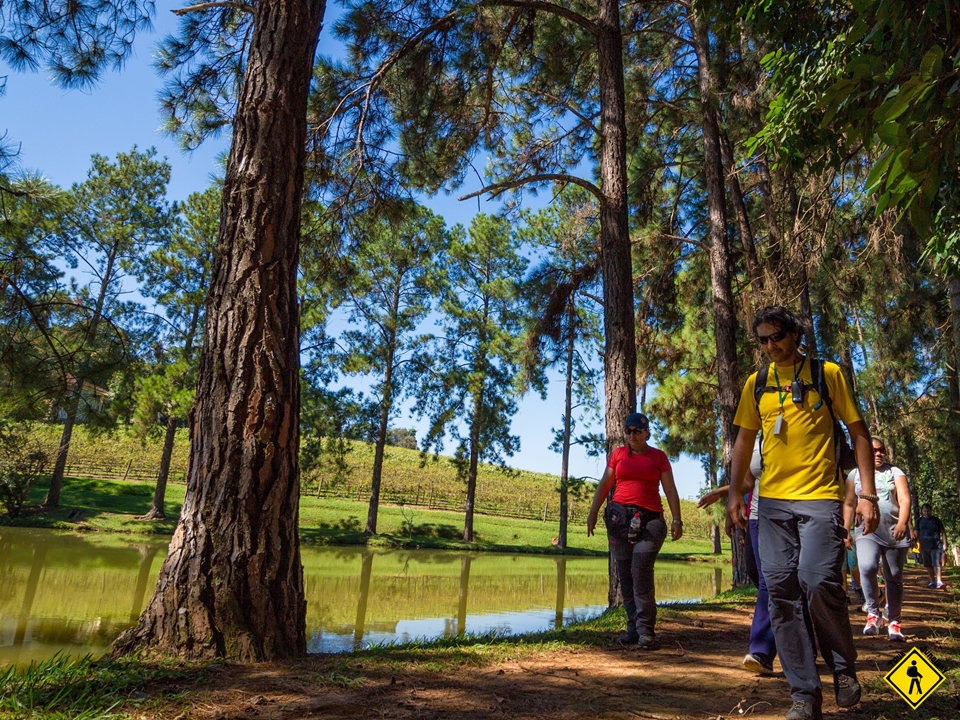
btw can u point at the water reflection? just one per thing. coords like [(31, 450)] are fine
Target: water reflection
[(77, 593)]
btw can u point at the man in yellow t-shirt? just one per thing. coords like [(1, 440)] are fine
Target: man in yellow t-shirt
[(801, 529)]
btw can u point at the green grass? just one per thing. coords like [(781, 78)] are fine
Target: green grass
[(61, 688), (408, 477), (112, 506)]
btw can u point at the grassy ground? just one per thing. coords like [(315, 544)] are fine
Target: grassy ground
[(112, 506), (407, 476)]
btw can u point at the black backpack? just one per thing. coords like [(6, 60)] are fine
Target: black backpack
[(845, 458)]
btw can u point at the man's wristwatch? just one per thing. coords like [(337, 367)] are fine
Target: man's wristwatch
[(678, 522)]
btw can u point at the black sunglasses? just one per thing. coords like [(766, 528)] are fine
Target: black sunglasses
[(880, 450), (635, 431), (773, 337)]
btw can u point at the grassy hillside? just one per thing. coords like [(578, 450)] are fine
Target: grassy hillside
[(409, 479)]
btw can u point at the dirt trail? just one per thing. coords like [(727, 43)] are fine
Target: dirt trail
[(695, 674)]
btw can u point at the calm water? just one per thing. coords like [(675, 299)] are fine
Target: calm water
[(77, 593)]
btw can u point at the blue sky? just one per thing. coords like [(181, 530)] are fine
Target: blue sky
[(59, 130)]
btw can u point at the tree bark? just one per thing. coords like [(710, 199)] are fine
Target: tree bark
[(740, 212), (724, 314), (385, 405), (567, 413), (620, 352), (953, 288), (232, 583), (160, 491), (472, 469)]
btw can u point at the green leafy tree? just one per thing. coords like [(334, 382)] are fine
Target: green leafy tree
[(176, 274), (563, 324), (32, 357), (114, 216), (392, 277), (537, 87), (22, 465), (469, 391)]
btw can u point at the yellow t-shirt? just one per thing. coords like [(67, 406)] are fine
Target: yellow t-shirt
[(799, 463)]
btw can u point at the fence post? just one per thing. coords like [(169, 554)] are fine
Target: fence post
[(127, 471), (430, 504), (545, 512)]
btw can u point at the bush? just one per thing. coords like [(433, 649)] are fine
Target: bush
[(22, 464)]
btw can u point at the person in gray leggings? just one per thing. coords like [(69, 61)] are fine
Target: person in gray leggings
[(888, 544)]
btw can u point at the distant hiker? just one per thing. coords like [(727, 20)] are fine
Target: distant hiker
[(915, 677), (763, 646), (796, 401), (933, 540), (888, 544), (635, 525)]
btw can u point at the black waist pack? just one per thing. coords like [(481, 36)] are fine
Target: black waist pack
[(617, 518)]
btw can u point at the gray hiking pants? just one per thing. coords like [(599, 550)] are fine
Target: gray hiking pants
[(801, 552), (870, 554), (635, 567)]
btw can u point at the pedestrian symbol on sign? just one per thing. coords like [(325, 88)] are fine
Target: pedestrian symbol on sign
[(914, 678)]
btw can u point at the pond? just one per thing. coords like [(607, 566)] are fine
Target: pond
[(76, 593)]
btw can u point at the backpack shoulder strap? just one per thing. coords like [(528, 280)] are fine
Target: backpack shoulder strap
[(760, 387), (820, 383)]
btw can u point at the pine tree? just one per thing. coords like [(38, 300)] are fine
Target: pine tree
[(176, 275), (391, 280), (475, 363)]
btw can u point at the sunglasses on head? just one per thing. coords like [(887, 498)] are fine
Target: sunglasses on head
[(635, 431), (772, 337)]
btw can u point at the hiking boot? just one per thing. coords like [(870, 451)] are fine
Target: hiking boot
[(630, 637), (846, 689), (874, 625), (647, 642), (893, 632), (801, 710), (758, 663)]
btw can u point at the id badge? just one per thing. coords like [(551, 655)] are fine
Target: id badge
[(778, 425)]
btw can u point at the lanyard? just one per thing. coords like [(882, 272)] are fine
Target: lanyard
[(776, 376)]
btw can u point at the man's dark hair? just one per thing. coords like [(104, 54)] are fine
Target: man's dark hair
[(927, 505), (780, 317)]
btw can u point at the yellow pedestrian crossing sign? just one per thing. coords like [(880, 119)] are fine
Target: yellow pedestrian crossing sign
[(914, 678)]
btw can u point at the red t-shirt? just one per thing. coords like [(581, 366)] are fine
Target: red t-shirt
[(638, 477)]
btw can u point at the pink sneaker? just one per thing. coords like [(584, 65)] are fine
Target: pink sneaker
[(893, 632), (874, 624)]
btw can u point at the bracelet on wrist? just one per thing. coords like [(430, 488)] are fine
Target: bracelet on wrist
[(678, 522), (868, 496)]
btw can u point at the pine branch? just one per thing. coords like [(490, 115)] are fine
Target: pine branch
[(498, 188), (558, 10), (217, 4)]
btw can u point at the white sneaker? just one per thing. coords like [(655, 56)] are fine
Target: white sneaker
[(874, 625), (893, 632)]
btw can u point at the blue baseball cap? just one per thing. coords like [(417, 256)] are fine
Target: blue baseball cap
[(637, 420)]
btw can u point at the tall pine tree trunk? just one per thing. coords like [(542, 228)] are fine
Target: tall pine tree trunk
[(232, 583), (724, 314), (160, 491), (472, 470), (953, 288), (63, 451), (567, 424), (385, 405), (620, 352)]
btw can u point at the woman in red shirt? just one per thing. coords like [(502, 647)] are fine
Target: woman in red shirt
[(636, 472)]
